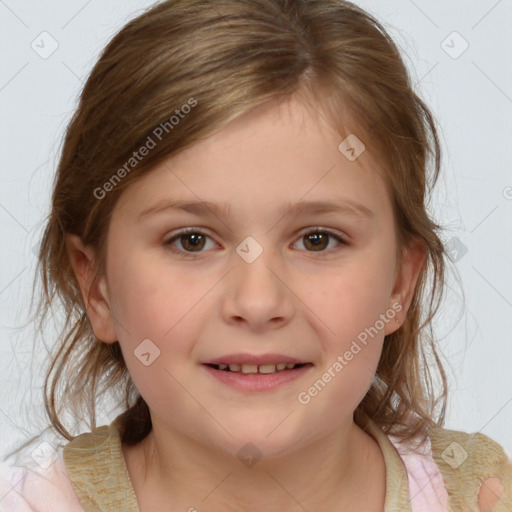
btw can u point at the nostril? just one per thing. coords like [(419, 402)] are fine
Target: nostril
[(489, 494)]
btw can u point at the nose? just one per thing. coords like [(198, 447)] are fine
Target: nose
[(257, 295)]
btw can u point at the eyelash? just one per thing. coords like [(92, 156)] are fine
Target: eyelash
[(188, 231)]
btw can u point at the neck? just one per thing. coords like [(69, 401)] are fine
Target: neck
[(325, 474)]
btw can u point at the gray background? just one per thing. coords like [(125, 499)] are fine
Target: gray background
[(470, 92)]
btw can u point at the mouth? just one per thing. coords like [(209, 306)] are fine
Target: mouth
[(250, 373), (251, 369)]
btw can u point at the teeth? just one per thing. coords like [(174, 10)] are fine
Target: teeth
[(254, 368), (249, 368)]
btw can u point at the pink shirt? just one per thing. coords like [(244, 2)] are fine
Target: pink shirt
[(427, 491)]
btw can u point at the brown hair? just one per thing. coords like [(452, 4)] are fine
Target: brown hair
[(226, 57)]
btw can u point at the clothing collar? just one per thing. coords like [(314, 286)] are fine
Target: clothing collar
[(397, 487), (98, 471)]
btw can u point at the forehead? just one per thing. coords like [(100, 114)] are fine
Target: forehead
[(278, 153)]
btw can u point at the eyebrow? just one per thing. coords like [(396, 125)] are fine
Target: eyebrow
[(206, 208)]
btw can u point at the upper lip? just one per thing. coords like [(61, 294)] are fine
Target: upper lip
[(254, 359)]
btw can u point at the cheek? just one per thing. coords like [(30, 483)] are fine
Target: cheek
[(153, 301), (352, 302), (353, 298), (149, 295), (154, 314), (352, 343)]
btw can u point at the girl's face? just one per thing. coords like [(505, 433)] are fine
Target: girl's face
[(290, 256)]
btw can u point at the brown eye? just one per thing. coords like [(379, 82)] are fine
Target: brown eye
[(318, 240), (192, 241), (188, 241)]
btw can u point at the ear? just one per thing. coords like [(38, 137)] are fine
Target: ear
[(95, 295), (406, 277)]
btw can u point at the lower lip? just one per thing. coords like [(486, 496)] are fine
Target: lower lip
[(258, 381)]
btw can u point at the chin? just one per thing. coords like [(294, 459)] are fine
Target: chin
[(270, 440)]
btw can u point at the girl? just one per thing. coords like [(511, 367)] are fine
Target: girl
[(239, 238)]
